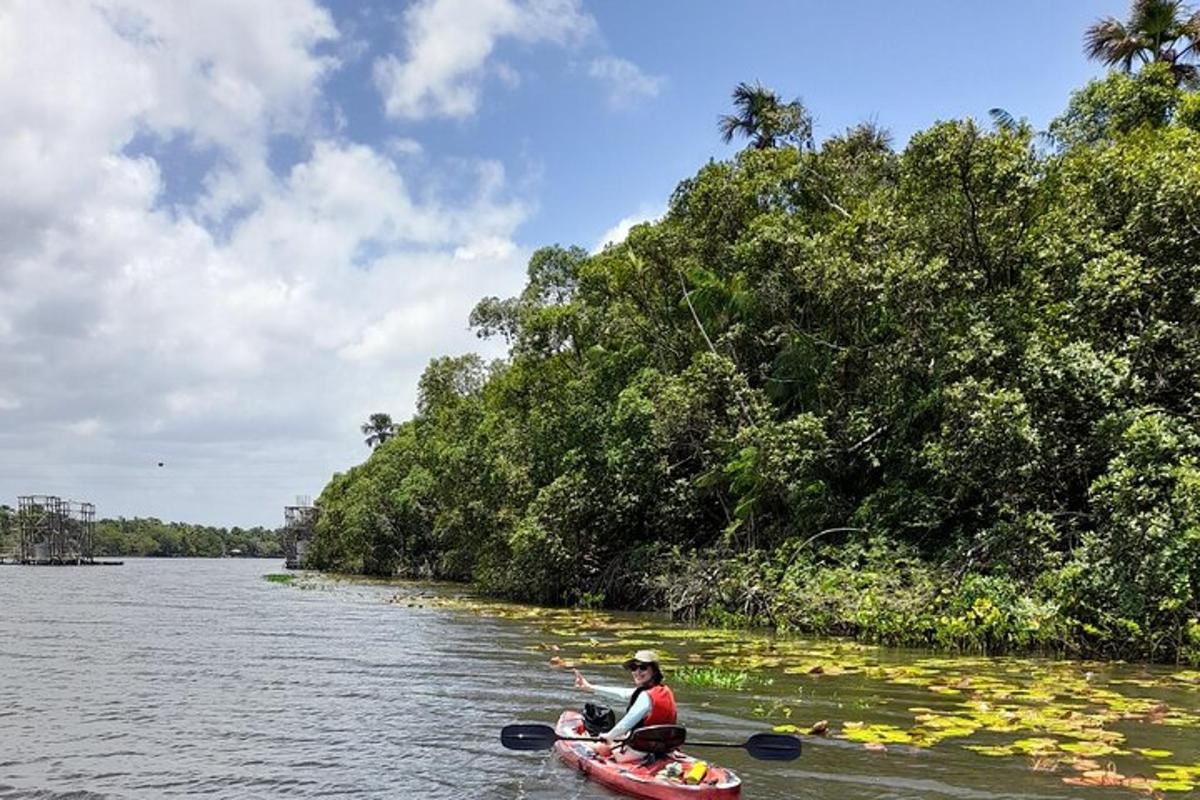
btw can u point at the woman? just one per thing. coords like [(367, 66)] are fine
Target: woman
[(650, 702)]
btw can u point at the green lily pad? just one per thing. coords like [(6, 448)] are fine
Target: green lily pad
[(875, 734), (991, 750), (1090, 749), (1152, 753)]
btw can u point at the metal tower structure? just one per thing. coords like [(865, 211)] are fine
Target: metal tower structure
[(54, 531), (298, 524)]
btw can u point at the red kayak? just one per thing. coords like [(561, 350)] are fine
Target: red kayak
[(655, 780)]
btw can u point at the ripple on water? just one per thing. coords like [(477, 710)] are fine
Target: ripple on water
[(197, 678)]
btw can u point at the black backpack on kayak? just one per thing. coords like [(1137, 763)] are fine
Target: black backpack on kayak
[(598, 719)]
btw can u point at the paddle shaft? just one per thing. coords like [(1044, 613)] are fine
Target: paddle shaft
[(541, 736), (768, 746)]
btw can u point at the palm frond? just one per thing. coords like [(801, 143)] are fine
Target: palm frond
[(1155, 19), (1002, 120), (1190, 29), (1187, 75), (868, 137), (760, 116), (729, 126), (1156, 30), (1111, 42)]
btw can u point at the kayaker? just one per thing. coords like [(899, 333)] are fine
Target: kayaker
[(649, 702)]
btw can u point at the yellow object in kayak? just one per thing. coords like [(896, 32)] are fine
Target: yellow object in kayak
[(696, 773)]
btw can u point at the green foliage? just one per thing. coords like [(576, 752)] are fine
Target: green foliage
[(8, 529), (712, 678), (1135, 581), (1118, 104), (142, 536), (945, 396), (1187, 113)]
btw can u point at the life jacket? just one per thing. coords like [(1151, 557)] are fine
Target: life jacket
[(662, 706)]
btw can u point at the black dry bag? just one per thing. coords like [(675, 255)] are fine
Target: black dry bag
[(598, 719)]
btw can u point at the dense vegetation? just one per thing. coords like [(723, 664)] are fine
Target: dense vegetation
[(946, 396), (8, 522), (143, 536)]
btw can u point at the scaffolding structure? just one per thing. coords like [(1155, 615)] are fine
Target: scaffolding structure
[(54, 531), (298, 524)]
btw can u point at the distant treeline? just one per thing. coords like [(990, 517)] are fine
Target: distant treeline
[(147, 536)]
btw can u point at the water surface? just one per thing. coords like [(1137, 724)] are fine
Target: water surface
[(171, 678)]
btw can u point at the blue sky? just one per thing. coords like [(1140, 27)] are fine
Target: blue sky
[(587, 162), (591, 163), (232, 230)]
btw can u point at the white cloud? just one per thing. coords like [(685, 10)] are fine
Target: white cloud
[(617, 233), (224, 74), (448, 44), (85, 427), (241, 349), (507, 74), (491, 247), (625, 81), (401, 146)]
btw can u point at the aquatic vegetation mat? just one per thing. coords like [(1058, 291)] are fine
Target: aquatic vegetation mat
[(1086, 724), (714, 677)]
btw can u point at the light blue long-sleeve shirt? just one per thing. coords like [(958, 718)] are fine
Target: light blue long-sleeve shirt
[(636, 713)]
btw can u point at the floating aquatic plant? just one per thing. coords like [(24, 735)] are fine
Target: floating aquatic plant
[(1055, 715), (712, 677)]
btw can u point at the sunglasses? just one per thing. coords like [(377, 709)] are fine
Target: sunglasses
[(639, 667)]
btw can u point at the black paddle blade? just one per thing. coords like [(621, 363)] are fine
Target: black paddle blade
[(773, 746), (528, 737), (657, 739)]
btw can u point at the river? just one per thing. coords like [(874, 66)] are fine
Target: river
[(172, 678)]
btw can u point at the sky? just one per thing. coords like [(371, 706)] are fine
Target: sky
[(230, 231)]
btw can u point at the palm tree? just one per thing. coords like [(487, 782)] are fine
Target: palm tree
[(1157, 30), (378, 428), (765, 119)]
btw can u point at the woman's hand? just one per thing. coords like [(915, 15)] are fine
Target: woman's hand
[(582, 682)]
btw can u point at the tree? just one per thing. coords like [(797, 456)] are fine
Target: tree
[(378, 429), (1157, 30), (1118, 104), (945, 395), (765, 119), (7, 526), (448, 379)]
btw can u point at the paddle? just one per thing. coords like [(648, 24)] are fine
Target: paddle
[(654, 739), (763, 746)]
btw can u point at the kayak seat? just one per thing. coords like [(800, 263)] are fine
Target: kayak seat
[(658, 739)]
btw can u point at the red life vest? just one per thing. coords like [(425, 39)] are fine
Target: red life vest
[(662, 706)]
